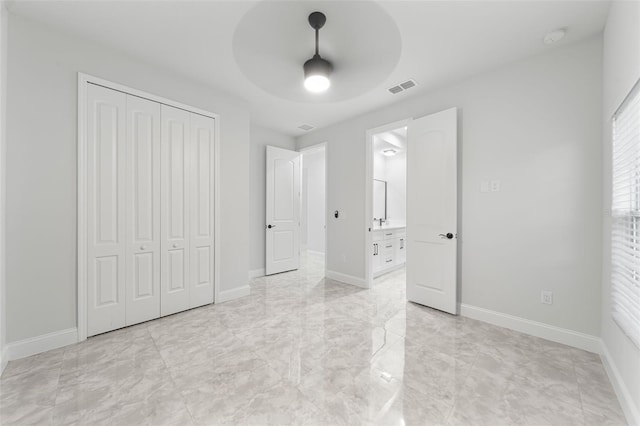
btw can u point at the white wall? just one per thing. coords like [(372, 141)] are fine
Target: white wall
[(534, 125), (396, 171), (379, 166), (621, 65), (41, 171), (3, 128), (260, 138), (314, 172)]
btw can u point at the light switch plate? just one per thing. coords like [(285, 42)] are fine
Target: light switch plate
[(484, 186), (495, 185)]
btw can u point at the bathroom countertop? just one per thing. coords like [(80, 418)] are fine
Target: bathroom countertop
[(388, 226)]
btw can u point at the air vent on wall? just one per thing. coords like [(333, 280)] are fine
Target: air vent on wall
[(402, 86), (305, 127)]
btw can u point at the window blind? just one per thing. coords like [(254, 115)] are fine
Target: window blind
[(625, 212)]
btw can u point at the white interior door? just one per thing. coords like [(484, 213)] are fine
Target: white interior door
[(202, 181), (106, 124), (175, 176), (282, 210), (432, 211), (143, 210)]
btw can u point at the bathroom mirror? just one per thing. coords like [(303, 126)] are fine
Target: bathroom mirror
[(379, 199)]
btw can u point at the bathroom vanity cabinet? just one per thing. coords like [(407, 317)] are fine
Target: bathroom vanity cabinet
[(389, 249)]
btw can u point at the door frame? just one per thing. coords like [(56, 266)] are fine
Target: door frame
[(81, 173), (308, 150), (368, 197)]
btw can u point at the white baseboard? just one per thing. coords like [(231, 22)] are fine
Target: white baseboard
[(235, 293), (629, 407), (315, 253), (348, 279), (565, 336), (256, 273), (43, 343)]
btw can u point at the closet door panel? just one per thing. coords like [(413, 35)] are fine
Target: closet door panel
[(202, 184), (106, 125), (143, 210), (175, 177)]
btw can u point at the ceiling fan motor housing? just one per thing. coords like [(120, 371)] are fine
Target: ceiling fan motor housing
[(317, 65)]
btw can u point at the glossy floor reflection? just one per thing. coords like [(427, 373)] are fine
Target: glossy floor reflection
[(304, 350)]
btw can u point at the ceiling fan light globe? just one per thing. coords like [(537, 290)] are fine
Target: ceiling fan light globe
[(317, 83), (316, 74)]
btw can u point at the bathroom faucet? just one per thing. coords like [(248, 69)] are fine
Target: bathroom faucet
[(381, 222)]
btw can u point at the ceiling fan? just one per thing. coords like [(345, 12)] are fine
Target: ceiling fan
[(317, 70)]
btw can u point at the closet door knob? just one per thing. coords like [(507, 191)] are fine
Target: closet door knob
[(142, 247), (174, 245)]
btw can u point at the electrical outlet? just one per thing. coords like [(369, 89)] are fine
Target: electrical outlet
[(546, 297)]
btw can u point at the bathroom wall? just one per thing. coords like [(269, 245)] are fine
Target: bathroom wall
[(393, 170), (396, 171)]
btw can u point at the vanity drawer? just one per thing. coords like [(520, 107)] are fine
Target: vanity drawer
[(378, 236), (387, 245), (387, 252), (388, 234)]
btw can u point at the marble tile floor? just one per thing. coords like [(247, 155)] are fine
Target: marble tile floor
[(306, 350)]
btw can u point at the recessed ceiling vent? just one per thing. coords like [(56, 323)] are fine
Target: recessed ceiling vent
[(305, 127), (402, 87)]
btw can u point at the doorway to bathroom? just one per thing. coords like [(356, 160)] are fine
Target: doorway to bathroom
[(411, 207), (387, 205), (313, 209)]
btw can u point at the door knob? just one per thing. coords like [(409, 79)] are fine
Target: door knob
[(174, 245), (271, 226), (446, 236), (142, 247)]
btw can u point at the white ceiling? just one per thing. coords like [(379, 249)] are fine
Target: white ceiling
[(440, 42), (394, 139), (274, 39)]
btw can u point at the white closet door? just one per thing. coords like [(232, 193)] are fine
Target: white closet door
[(143, 210), (176, 160), (201, 241), (105, 209)]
